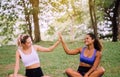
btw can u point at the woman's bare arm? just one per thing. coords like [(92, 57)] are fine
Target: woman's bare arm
[(67, 50), (44, 49), (96, 63), (16, 64)]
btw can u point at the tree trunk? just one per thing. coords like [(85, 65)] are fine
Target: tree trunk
[(93, 16), (72, 21), (27, 18), (35, 6), (95, 20), (71, 28), (119, 21), (114, 21)]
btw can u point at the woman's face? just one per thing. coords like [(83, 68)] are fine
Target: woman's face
[(88, 40), (28, 42)]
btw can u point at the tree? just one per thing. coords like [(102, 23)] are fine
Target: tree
[(111, 14), (8, 18), (72, 15), (12, 13), (35, 12), (115, 20), (93, 16), (27, 13), (119, 22)]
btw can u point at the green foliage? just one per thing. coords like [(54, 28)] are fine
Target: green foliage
[(63, 18), (7, 28), (56, 7), (101, 6), (64, 1), (79, 17), (9, 14), (23, 28), (51, 30), (104, 3), (107, 3), (8, 17), (73, 12), (73, 15)]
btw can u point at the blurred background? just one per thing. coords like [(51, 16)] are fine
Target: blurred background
[(43, 19)]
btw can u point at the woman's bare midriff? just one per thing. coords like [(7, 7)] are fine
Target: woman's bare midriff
[(84, 64), (33, 66)]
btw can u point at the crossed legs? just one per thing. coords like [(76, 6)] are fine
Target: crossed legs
[(97, 73), (71, 73)]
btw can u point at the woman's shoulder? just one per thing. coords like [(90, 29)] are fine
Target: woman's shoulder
[(18, 52), (98, 53), (35, 46), (80, 49)]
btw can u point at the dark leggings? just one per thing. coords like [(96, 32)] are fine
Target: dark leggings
[(82, 70), (35, 72)]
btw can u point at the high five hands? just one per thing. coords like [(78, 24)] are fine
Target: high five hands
[(60, 37)]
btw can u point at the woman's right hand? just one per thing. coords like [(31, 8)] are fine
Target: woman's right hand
[(60, 36)]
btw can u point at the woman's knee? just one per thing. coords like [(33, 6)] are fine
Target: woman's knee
[(69, 70), (11, 75), (71, 73), (102, 70), (97, 73)]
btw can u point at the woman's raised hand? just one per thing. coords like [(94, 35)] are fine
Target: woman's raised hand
[(60, 37)]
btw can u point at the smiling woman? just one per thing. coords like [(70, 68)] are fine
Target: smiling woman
[(27, 52), (90, 57)]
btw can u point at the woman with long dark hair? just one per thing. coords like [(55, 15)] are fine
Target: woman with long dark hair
[(90, 57)]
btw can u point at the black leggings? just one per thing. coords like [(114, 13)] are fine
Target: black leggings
[(35, 72), (82, 70)]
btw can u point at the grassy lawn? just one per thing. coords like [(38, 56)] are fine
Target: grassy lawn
[(54, 63)]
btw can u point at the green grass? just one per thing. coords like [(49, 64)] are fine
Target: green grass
[(54, 63)]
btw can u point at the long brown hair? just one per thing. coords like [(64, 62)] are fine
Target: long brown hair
[(97, 43)]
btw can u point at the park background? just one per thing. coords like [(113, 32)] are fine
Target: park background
[(43, 19)]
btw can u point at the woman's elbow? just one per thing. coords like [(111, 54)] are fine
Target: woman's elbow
[(17, 67), (49, 50), (67, 52)]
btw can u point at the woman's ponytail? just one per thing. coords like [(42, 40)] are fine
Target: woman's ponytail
[(19, 40), (97, 45)]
